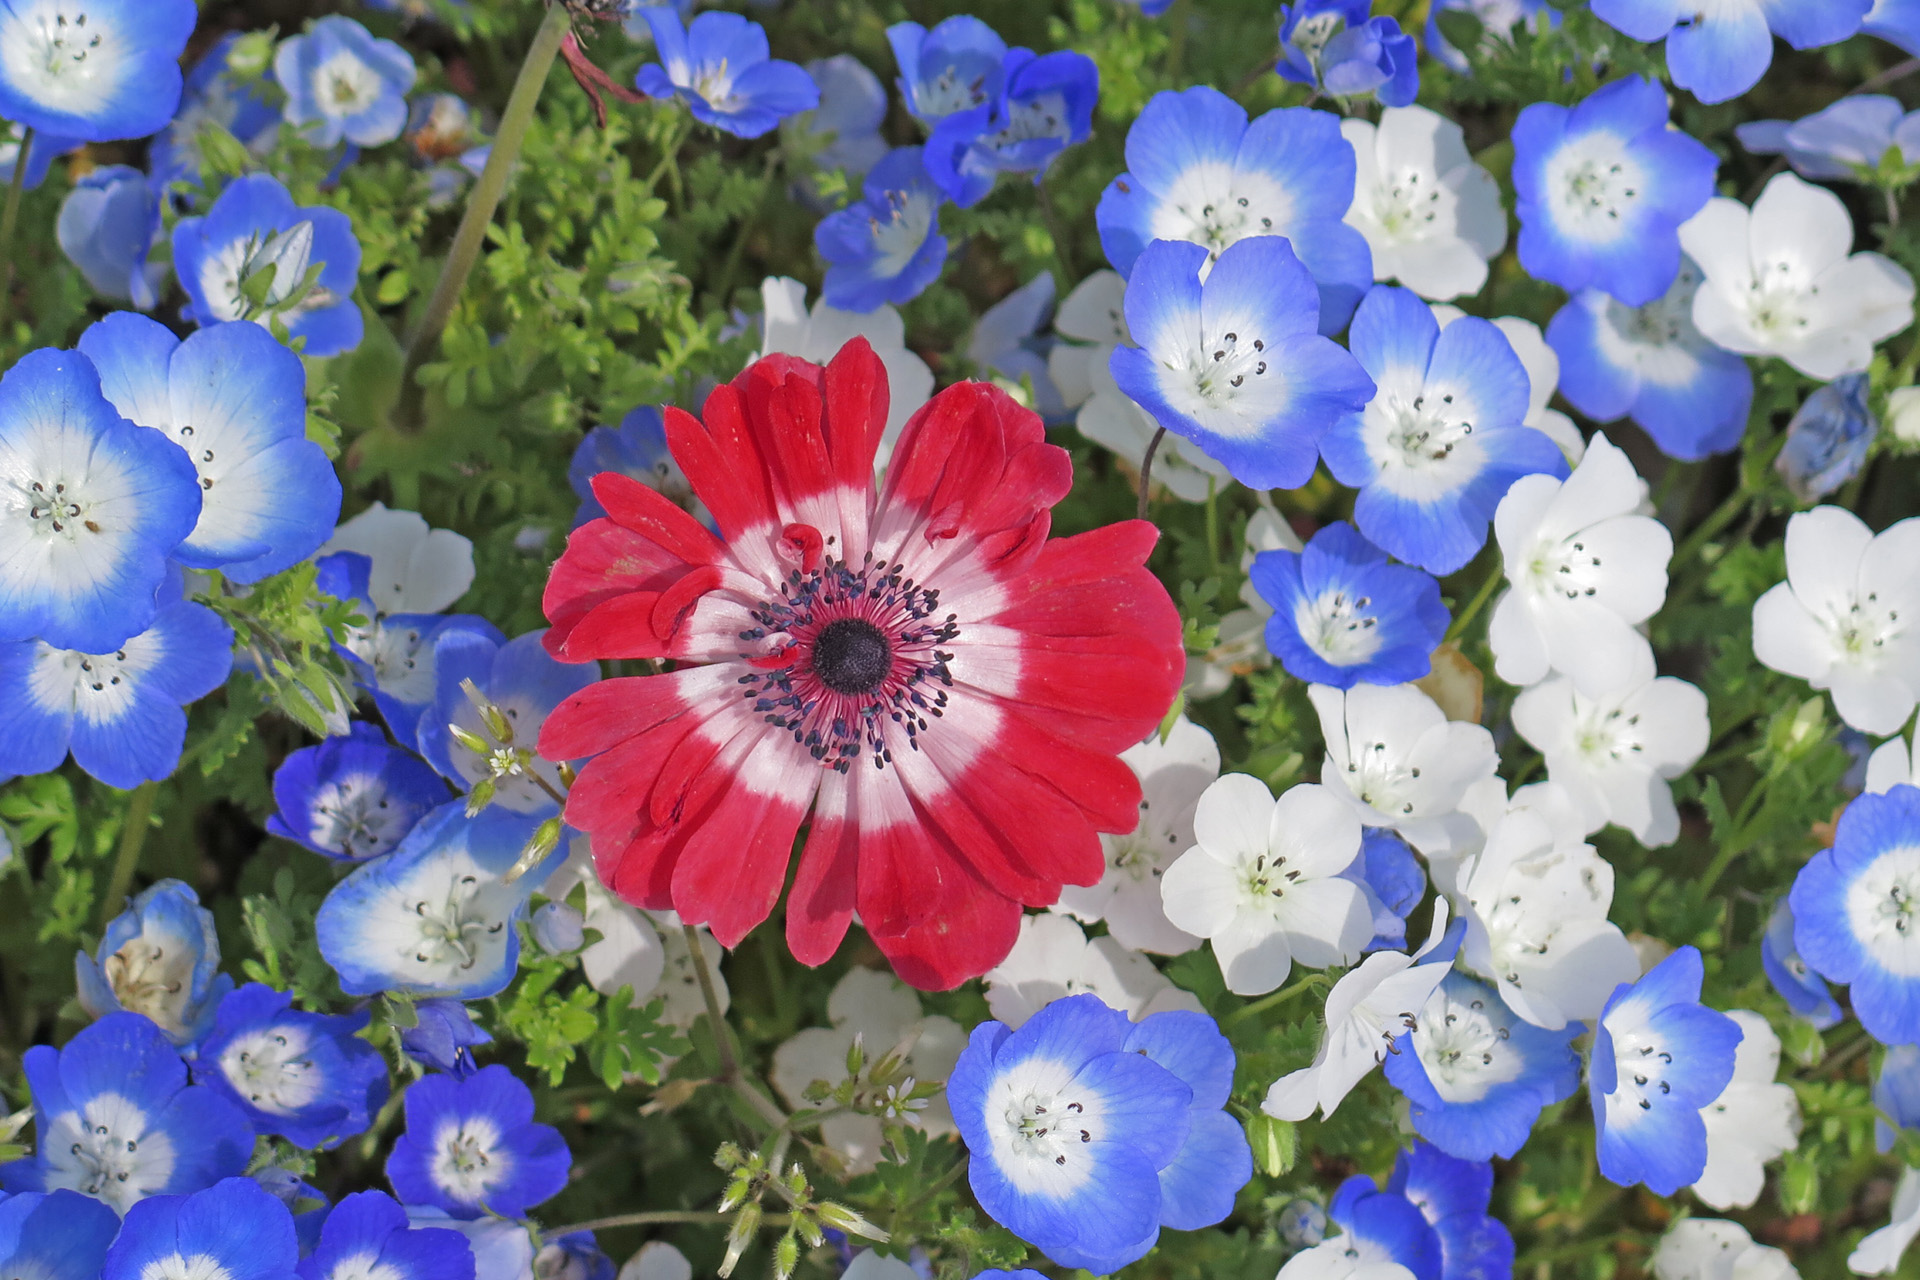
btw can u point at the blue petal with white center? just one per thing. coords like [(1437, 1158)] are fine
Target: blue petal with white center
[(1453, 1195), (1045, 107), (1442, 439), (62, 1235), (95, 70), (367, 1235), (115, 1119), (1652, 365), (306, 1077), (526, 683), (353, 797), (888, 247), (90, 510), (1197, 1188), (1344, 614), (721, 67), (1853, 912), (1068, 1132), (1198, 171), (1719, 52), (1376, 58), (1659, 1055), (159, 958), (1476, 1075), (342, 84), (1237, 366), (955, 67), (443, 1037), (253, 225), (471, 1147), (1602, 189), (1393, 883), (215, 96), (236, 401), (233, 1230), (121, 713), (1804, 990), (436, 916), (106, 228), (1381, 1227)]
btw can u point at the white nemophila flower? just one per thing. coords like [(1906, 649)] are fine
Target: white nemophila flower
[(1172, 776), (1615, 753), (1890, 765), (1844, 618), (1542, 364), (1394, 755), (1053, 958), (1754, 1119), (1537, 927), (1715, 1249), (1431, 216), (884, 1014), (415, 569), (1781, 282), (1262, 882), (817, 334), (1367, 1009), (1584, 572), (1879, 1254)]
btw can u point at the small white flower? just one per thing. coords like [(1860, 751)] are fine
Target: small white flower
[(415, 569), (1431, 216), (657, 1260), (1366, 1009), (1615, 753), (1263, 883), (1537, 927), (1844, 618), (1053, 958), (1780, 280), (1903, 414), (1879, 1254), (818, 335), (1890, 766), (1584, 571), (1172, 775), (1397, 759), (1754, 1120), (1715, 1249)]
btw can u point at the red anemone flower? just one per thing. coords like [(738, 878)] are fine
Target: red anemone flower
[(940, 686)]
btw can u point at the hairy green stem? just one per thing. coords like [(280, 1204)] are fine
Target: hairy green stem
[(1274, 1001), (126, 858), (660, 1218), (1495, 577), (481, 204), (730, 1074)]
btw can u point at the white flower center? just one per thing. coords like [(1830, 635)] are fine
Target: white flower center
[(1042, 117), (1779, 298), (149, 978), (1423, 432), (345, 86), (714, 83), (1337, 627), (57, 507), (947, 93), (1564, 567), (1045, 1123), (107, 1151), (1143, 853), (354, 816), (452, 930), (1264, 881), (1465, 1049), (1861, 631), (270, 1067), (1881, 903), (1607, 735), (99, 687), (1311, 34), (1407, 206), (1641, 1063), (902, 232), (1595, 185), (1381, 778), (200, 1266), (467, 1159), (1220, 368), (365, 1266)]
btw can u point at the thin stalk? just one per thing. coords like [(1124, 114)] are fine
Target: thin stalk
[(660, 1217), (1274, 1001), (1495, 577), (1146, 471), (1213, 526), (126, 858), (730, 1074), (484, 200), (10, 219)]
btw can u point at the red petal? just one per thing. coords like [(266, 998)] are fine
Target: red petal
[(603, 561), (964, 943), (856, 416), (609, 712), (734, 859), (820, 904), (645, 510), (721, 463)]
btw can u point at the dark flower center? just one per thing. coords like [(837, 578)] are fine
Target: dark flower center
[(851, 655)]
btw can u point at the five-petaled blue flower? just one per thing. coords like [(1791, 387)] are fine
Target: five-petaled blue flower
[(60, 1235), (1804, 990), (888, 246), (353, 797), (342, 84), (1453, 1195), (367, 1236), (215, 97), (1333, 45), (1045, 106), (957, 66), (1343, 613), (307, 1077), (96, 70), (471, 1147), (1720, 51), (233, 1230), (106, 228), (1854, 907), (160, 958), (721, 67)]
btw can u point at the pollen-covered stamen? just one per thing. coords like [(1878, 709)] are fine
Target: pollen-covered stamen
[(1595, 182), (1049, 1128), (68, 40), (1405, 206), (58, 507), (1643, 1061), (855, 662), (1885, 900), (1609, 734)]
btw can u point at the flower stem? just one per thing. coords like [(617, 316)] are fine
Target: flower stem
[(10, 219), (1146, 471), (659, 1217), (730, 1074), (1274, 1001), (126, 858), (483, 201), (1495, 577)]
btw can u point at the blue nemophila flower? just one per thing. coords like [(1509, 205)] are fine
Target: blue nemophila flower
[(1896, 1094), (1382, 1233), (576, 1256), (121, 712), (97, 70), (115, 1118), (1198, 1187), (216, 97), (1197, 170), (888, 246), (1478, 1076), (343, 84), (526, 683), (955, 67), (443, 1037), (160, 958), (91, 509), (306, 1077), (1720, 51), (1828, 439), (471, 1147), (1853, 134), (1602, 189), (844, 130), (58, 1236), (719, 64), (233, 1230), (1652, 365), (307, 1203), (236, 401), (1453, 1195), (637, 448), (1897, 22), (1333, 45), (353, 797), (1854, 907), (368, 1237), (1343, 613), (1008, 342), (1237, 366), (436, 916), (1659, 1055), (1045, 106), (1804, 990), (106, 228), (1441, 441), (255, 225), (1392, 881)]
